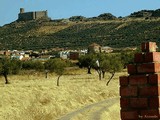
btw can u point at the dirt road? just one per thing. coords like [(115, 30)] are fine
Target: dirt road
[(93, 111)]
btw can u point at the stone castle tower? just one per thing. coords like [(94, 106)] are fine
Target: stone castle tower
[(25, 16), (21, 10)]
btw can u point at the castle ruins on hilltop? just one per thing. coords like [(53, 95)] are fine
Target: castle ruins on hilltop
[(24, 16)]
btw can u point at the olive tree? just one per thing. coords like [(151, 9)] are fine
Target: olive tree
[(102, 63), (112, 65), (127, 57), (98, 64), (56, 65), (32, 65), (8, 66), (86, 61)]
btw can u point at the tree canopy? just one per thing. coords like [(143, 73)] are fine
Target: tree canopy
[(8, 66), (56, 65), (107, 16), (102, 63), (86, 61), (77, 18)]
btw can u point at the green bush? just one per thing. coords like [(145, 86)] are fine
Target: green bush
[(33, 65)]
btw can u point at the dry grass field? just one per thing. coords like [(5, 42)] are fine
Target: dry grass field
[(33, 97)]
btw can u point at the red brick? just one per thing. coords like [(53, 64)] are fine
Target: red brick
[(154, 79), (132, 69), (139, 58), (123, 80), (154, 102), (157, 67), (128, 91), (148, 47), (129, 115), (148, 68), (152, 114), (152, 57), (125, 102), (138, 79), (149, 91), (139, 102)]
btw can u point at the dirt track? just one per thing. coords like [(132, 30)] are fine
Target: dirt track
[(91, 112)]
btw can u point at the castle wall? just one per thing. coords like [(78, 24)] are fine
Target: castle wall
[(26, 16), (40, 14), (32, 15)]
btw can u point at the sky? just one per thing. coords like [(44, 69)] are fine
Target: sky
[(58, 9)]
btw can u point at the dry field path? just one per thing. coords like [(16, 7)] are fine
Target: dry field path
[(91, 112)]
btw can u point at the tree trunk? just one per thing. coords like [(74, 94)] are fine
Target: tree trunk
[(58, 80), (46, 73), (110, 78), (103, 74), (99, 74), (6, 79), (89, 70)]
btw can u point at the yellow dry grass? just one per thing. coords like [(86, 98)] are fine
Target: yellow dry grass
[(46, 30), (49, 29), (36, 98)]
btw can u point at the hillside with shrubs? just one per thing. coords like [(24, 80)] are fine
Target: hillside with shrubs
[(79, 31)]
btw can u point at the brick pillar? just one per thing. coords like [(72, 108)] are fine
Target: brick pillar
[(140, 90)]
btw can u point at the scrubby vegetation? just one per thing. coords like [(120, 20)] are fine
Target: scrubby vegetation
[(146, 13), (79, 32)]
